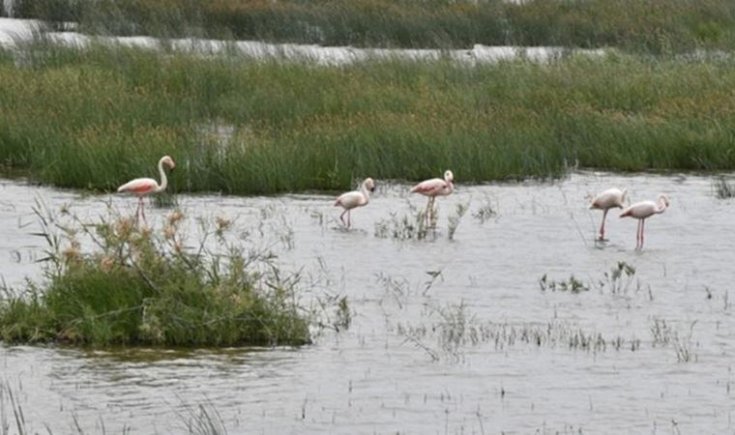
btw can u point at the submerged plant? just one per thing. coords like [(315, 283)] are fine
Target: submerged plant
[(114, 282), (723, 189)]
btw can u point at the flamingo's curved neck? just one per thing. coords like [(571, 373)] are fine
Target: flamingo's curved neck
[(365, 192), (164, 180), (661, 206)]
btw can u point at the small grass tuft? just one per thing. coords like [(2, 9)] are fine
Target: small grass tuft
[(723, 189), (573, 285)]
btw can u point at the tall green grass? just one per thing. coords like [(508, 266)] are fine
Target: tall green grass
[(97, 117), (113, 282), (641, 25)]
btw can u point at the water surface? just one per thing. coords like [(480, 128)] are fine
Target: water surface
[(393, 370)]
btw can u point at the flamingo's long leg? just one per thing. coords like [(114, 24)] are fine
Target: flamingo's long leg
[(602, 225), (643, 226), (142, 209), (342, 218)]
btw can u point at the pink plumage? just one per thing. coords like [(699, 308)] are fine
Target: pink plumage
[(355, 198), (433, 188), (606, 200), (141, 187), (642, 211)]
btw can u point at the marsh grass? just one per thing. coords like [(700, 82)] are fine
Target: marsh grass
[(93, 118), (112, 282), (617, 281), (665, 335), (652, 26), (411, 226)]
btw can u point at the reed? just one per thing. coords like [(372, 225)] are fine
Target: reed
[(113, 282), (650, 26), (96, 117)]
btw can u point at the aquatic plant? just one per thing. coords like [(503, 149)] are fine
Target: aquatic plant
[(452, 329), (403, 227), (113, 282), (619, 279), (723, 189), (485, 211), (573, 285), (664, 335), (455, 219)]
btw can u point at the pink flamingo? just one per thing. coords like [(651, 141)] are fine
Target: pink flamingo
[(433, 188), (356, 198), (606, 200), (643, 210), (142, 187)]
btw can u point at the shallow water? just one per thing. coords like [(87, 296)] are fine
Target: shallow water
[(393, 370), (15, 31)]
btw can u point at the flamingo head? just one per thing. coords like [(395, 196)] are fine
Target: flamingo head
[(369, 184), (448, 176), (168, 161), (664, 199)]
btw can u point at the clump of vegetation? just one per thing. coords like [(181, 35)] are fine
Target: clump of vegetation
[(664, 335), (573, 285), (114, 282), (619, 279), (412, 226), (723, 189), (485, 211)]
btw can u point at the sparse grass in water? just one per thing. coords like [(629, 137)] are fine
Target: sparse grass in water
[(723, 189), (143, 286), (573, 285), (455, 329), (485, 212), (410, 226)]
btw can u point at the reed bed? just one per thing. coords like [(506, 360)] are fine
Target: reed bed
[(649, 25), (96, 117)]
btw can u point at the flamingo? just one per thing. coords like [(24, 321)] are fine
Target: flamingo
[(142, 187), (606, 200), (356, 198), (433, 188), (643, 210)]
